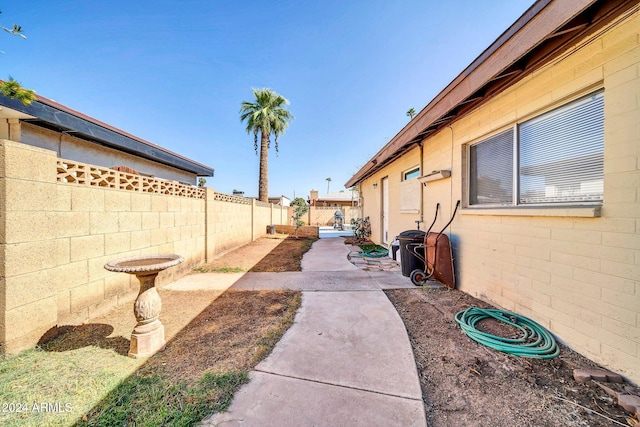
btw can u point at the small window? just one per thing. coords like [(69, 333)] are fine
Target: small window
[(412, 173), (554, 158)]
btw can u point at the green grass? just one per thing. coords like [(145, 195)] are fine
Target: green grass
[(152, 400), (370, 248), (219, 270), (76, 380), (95, 385)]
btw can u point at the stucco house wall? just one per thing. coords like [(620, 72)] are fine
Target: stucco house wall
[(371, 189), (72, 148), (574, 270)]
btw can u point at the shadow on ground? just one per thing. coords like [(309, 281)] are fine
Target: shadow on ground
[(73, 337), (203, 365)]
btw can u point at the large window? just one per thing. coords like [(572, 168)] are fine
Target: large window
[(554, 158)]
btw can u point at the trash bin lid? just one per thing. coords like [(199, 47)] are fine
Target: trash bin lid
[(412, 234)]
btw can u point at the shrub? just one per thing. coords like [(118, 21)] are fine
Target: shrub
[(361, 228)]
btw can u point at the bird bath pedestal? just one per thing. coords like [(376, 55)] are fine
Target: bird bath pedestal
[(148, 336)]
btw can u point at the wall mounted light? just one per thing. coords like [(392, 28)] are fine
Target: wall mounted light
[(375, 185), (435, 175)]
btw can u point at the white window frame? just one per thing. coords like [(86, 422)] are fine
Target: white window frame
[(592, 208)]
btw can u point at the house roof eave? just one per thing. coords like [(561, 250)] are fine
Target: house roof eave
[(539, 35), (52, 115)]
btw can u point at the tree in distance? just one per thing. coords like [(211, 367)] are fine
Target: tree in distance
[(12, 88), (265, 116)]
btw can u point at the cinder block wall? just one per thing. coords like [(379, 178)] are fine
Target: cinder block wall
[(578, 276), (229, 224), (56, 237), (322, 216), (261, 218)]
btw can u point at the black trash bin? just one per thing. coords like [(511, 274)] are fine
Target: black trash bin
[(408, 259)]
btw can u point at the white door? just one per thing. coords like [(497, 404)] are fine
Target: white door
[(385, 210)]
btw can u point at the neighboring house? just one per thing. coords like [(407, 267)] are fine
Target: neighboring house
[(539, 138), (76, 193), (75, 136), (343, 198), (322, 209), (280, 201)]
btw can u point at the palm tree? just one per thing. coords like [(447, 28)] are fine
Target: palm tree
[(328, 182), (411, 112), (13, 89), (267, 115)]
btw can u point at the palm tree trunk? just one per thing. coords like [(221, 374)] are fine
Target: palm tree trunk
[(263, 178)]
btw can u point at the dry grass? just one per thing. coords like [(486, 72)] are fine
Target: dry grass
[(287, 256), (204, 364), (213, 340)]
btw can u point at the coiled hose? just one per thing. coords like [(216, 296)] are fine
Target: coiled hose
[(375, 253), (534, 341)]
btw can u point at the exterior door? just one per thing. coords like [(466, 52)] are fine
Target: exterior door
[(385, 210)]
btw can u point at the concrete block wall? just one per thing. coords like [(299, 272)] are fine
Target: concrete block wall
[(262, 215), (323, 216), (55, 238), (229, 225), (575, 271), (26, 290), (577, 275)]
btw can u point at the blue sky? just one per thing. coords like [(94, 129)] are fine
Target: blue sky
[(175, 73)]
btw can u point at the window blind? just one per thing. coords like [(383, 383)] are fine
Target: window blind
[(561, 154), (491, 170)]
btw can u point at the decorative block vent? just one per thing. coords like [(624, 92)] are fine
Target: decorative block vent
[(76, 173), (232, 199)]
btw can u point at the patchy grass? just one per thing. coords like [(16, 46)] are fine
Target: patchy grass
[(202, 368), (370, 248), (85, 378), (152, 400), (287, 256), (203, 269), (243, 258), (38, 380)]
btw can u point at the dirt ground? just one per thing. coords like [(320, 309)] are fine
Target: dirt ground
[(206, 330), (466, 383), (463, 382)]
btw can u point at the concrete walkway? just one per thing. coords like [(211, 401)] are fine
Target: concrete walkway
[(346, 361)]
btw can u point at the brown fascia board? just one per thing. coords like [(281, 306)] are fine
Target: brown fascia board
[(540, 21)]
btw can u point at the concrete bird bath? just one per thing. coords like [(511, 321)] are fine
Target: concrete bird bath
[(148, 336)]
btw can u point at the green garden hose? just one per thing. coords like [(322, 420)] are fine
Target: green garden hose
[(534, 341), (375, 253)]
